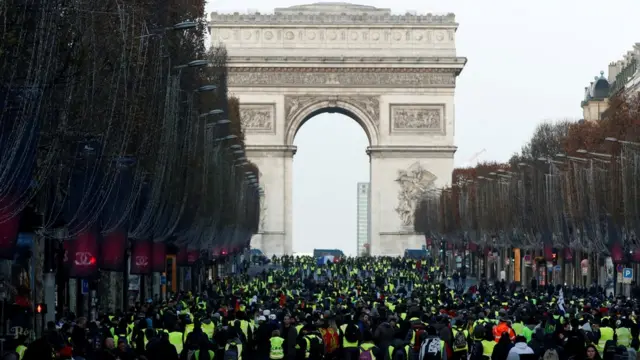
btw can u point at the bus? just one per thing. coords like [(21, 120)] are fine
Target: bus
[(416, 254), (336, 253)]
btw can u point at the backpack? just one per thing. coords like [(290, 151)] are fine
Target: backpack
[(476, 351), (419, 334), (399, 353), (232, 352), (330, 339), (488, 327), (316, 346), (430, 349), (366, 354), (459, 341), (351, 333), (615, 352)]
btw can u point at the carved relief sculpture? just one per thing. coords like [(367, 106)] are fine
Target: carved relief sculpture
[(370, 105), (414, 183), (257, 117), (417, 118), (338, 77)]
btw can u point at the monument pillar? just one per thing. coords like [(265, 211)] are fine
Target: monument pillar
[(276, 164), (400, 175)]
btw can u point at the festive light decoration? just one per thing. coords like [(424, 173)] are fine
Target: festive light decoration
[(111, 125)]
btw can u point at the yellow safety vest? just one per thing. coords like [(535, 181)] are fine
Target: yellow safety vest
[(366, 347), (606, 334), (239, 346), (406, 351), (129, 332), (307, 339), (276, 352), (244, 327), (209, 329), (188, 329), (346, 344), (20, 350), (413, 333), (175, 338), (624, 336), (197, 354), (466, 336), (487, 347)]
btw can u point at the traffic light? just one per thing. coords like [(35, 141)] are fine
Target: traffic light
[(41, 308)]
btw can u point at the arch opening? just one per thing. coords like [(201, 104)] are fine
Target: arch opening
[(328, 169), (365, 115)]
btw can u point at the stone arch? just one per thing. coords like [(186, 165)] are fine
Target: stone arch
[(365, 110), (394, 75)]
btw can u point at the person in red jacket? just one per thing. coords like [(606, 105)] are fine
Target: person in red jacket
[(503, 327)]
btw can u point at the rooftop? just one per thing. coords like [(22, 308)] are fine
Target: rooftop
[(332, 13)]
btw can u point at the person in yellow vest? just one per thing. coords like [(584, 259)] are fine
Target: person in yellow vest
[(208, 327), (243, 325), (311, 343), (188, 329), (623, 333), (398, 350), (20, 349), (176, 339), (276, 351), (606, 334), (488, 343), (349, 336), (459, 341), (368, 350), (234, 345), (203, 352)]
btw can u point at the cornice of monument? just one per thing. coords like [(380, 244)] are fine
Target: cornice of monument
[(332, 13), (270, 150), (461, 61), (336, 69), (395, 151)]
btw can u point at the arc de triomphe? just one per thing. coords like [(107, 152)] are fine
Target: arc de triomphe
[(393, 74)]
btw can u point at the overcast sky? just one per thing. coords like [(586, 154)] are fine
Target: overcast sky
[(528, 61)]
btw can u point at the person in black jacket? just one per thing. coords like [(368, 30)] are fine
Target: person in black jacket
[(262, 338)]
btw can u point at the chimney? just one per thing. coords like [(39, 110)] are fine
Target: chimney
[(613, 71)]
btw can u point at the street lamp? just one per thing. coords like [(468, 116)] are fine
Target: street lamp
[(212, 112), (206, 88), (193, 63), (184, 25), (583, 151), (228, 137), (612, 139)]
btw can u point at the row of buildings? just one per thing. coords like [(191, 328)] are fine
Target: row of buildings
[(623, 76)]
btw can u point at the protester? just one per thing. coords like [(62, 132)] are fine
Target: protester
[(354, 309)]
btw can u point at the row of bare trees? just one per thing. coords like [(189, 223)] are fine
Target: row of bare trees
[(573, 185), (115, 117)]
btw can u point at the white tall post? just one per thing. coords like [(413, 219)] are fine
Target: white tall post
[(50, 296)]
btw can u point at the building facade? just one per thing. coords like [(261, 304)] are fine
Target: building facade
[(364, 195), (623, 76)]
